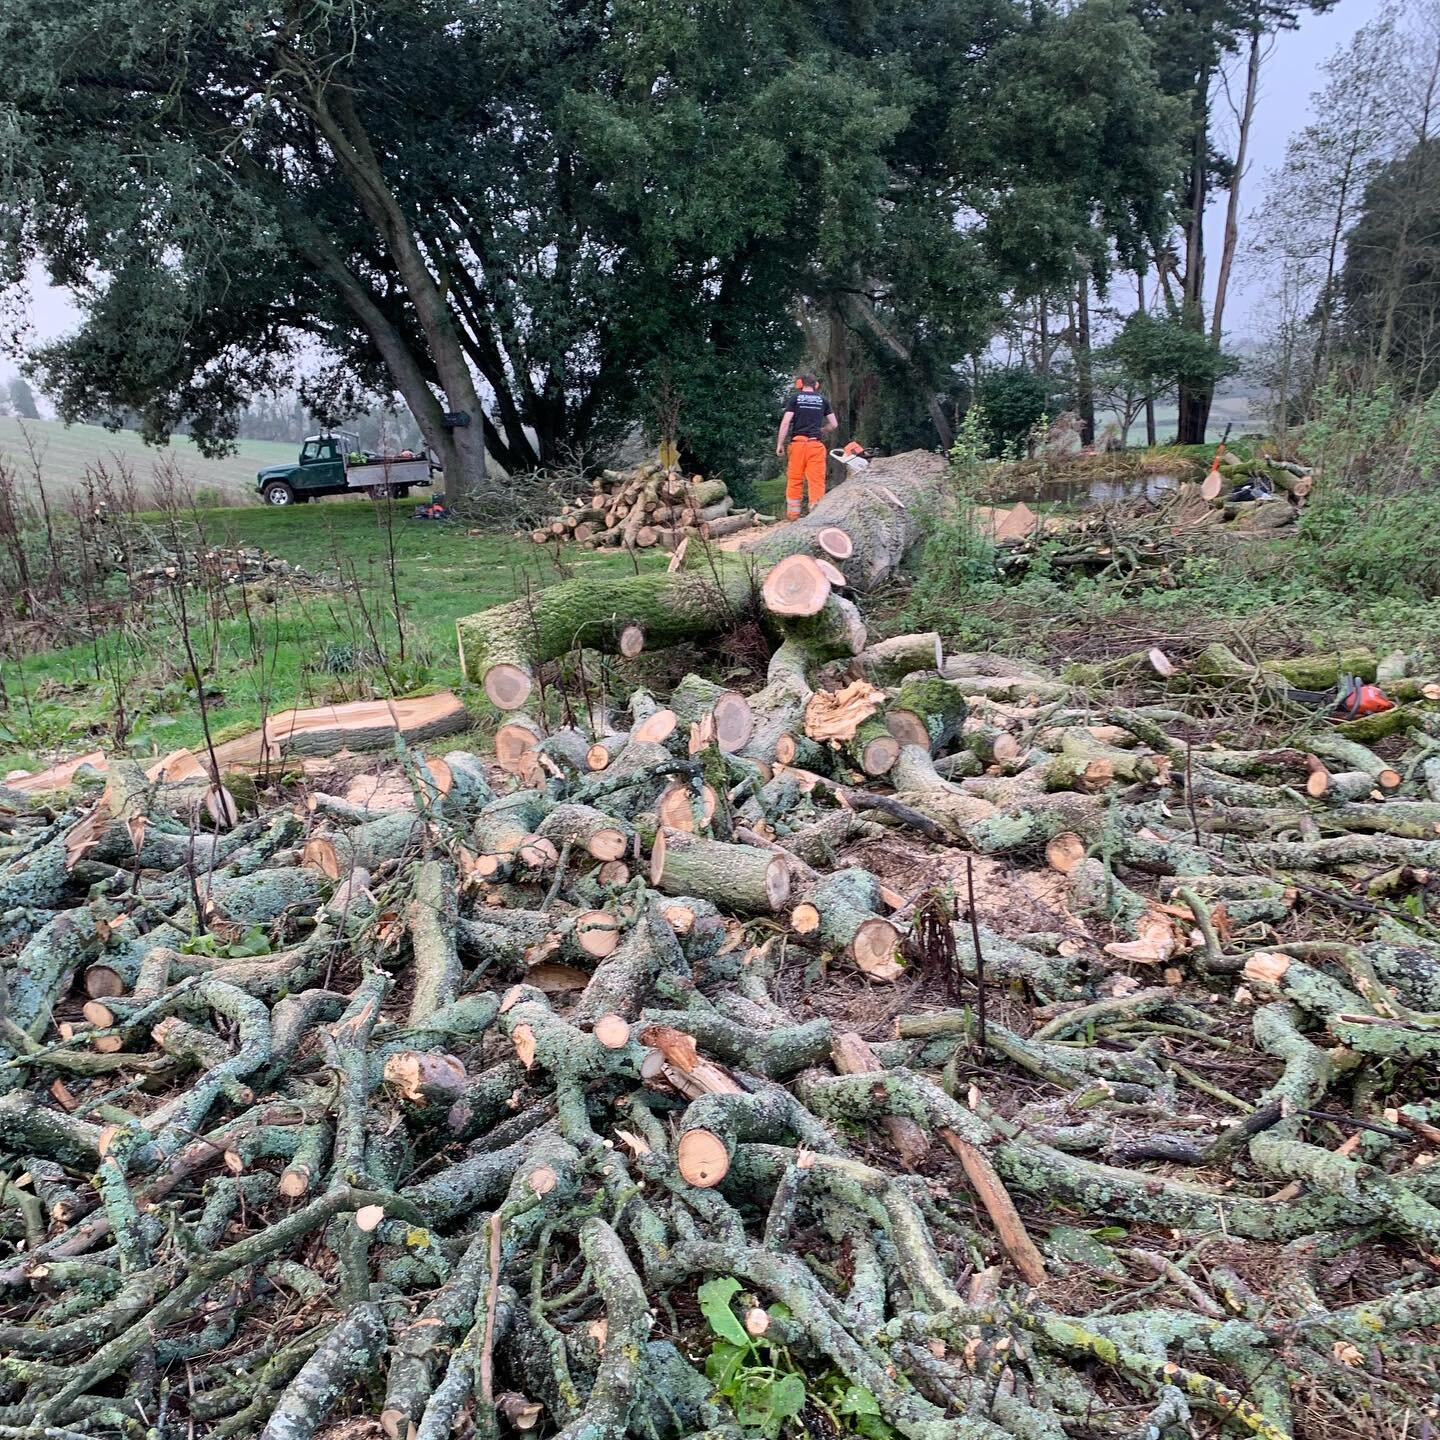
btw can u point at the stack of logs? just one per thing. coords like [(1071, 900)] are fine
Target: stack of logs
[(647, 506)]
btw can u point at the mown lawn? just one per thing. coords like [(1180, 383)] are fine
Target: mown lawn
[(303, 645)]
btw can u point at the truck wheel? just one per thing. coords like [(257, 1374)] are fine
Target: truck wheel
[(380, 492), (279, 493), (403, 493)]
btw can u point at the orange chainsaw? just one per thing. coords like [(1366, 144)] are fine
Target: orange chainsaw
[(854, 457)]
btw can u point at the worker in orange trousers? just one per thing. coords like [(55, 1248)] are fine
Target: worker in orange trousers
[(807, 418)]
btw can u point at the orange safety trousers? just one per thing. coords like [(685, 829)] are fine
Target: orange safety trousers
[(806, 464)]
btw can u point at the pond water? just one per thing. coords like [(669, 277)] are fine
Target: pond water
[(1092, 491)]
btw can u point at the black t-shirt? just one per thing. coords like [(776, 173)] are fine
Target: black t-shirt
[(808, 409)]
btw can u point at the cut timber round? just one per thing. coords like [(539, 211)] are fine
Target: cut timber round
[(875, 748), (739, 876), (835, 542), (734, 721), (1317, 782), (631, 642), (508, 686), (612, 1032), (1211, 487), (601, 835), (796, 586), (874, 948), (613, 872), (515, 745), (844, 906), (805, 919), (702, 1158), (1065, 852), (676, 809), (907, 727), (645, 537), (537, 853), (655, 729), (103, 982), (597, 933), (542, 1180), (833, 573)]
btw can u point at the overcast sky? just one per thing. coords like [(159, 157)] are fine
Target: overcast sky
[(1291, 74)]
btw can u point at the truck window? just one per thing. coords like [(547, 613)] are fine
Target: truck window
[(310, 451)]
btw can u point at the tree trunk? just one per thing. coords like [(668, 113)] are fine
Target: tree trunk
[(463, 450), (865, 311), (1084, 374), (1195, 400), (1232, 207)]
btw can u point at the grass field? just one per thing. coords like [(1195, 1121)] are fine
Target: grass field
[(65, 452), (318, 646)]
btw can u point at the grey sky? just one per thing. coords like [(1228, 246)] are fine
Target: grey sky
[(1291, 74)]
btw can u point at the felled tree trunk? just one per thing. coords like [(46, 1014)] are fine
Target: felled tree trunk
[(880, 515)]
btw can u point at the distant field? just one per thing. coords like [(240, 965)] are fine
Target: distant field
[(66, 451)]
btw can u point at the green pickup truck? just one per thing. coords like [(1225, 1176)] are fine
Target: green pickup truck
[(335, 465)]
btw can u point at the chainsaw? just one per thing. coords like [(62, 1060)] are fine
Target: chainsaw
[(1351, 699), (854, 457)]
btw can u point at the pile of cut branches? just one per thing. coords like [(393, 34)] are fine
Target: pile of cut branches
[(602, 1088)]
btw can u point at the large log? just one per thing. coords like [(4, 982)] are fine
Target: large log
[(500, 648), (880, 511)]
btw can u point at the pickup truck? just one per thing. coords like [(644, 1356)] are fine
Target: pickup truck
[(335, 465)]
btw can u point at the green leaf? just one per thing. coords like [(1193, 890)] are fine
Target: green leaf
[(254, 942), (857, 1400), (723, 1364), (715, 1297), (787, 1397)]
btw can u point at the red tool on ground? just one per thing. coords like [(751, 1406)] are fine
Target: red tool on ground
[(1357, 698), (1213, 484)]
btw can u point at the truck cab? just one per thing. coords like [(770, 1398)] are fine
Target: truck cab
[(334, 464)]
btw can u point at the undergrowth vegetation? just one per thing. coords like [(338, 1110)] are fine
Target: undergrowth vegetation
[(1362, 563)]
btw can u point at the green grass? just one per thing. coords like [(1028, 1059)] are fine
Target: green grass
[(320, 641), (66, 451)]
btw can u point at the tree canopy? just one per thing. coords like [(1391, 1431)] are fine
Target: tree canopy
[(561, 217)]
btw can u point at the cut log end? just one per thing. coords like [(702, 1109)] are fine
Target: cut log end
[(515, 747), (702, 1158), (786, 748), (777, 883), (908, 728), (612, 1032), (656, 729), (542, 1180), (295, 1180), (597, 933), (878, 756), (874, 948), (677, 811), (835, 542), (680, 918), (631, 641), (606, 844), (613, 872), (1065, 852), (103, 983), (1389, 779), (734, 721), (833, 573), (597, 757), (1317, 782), (507, 686), (805, 919), (795, 586)]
